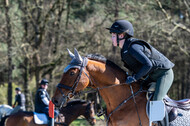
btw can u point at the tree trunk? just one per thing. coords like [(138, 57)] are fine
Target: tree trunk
[(57, 25), (25, 64), (9, 51), (68, 12), (26, 86)]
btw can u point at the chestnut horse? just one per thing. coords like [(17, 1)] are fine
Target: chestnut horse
[(123, 108), (24, 118), (68, 114)]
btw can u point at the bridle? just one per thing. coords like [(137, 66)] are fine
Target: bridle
[(73, 89)]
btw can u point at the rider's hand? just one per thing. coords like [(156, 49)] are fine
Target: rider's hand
[(130, 79), (13, 106)]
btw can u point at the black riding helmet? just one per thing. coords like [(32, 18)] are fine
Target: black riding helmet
[(122, 26), (44, 82), (18, 89)]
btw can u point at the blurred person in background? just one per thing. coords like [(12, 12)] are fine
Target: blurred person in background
[(42, 99), (19, 104)]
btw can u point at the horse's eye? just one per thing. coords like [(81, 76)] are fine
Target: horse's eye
[(72, 73)]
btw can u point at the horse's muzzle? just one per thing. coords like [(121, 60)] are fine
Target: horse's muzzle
[(55, 102), (61, 102)]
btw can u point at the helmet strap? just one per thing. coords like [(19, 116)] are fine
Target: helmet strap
[(118, 39)]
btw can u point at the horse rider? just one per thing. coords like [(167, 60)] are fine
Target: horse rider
[(42, 99), (19, 104), (143, 60)]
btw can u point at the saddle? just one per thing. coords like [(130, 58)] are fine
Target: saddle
[(171, 105), (40, 118), (182, 104)]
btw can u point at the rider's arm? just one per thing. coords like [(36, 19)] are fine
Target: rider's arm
[(44, 98), (16, 100), (137, 51)]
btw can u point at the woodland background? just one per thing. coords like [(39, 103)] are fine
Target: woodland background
[(34, 36)]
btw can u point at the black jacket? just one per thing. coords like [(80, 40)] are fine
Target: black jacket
[(20, 99), (41, 100), (142, 59)]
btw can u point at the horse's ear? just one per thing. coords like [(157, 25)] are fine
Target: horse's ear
[(70, 53), (77, 55)]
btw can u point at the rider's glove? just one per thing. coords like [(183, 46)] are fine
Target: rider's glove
[(130, 79)]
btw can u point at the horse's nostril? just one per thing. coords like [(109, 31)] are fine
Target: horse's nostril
[(55, 101)]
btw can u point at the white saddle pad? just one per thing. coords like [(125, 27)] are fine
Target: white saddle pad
[(40, 118)]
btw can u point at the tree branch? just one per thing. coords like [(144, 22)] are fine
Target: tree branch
[(178, 25)]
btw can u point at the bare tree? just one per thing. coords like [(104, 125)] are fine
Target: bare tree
[(9, 51)]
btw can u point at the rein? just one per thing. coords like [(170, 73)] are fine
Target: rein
[(125, 101), (73, 88)]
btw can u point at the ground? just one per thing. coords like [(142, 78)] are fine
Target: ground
[(83, 122)]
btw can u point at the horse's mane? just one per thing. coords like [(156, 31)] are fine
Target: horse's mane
[(102, 59), (97, 57)]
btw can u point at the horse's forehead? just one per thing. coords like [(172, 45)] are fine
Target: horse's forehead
[(70, 66), (76, 64), (73, 64)]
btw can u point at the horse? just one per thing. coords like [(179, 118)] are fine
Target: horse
[(25, 118), (68, 114), (126, 104), (75, 108)]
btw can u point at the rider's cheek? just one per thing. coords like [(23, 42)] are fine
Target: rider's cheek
[(114, 41)]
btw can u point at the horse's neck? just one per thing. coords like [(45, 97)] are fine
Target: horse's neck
[(72, 112), (105, 76)]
